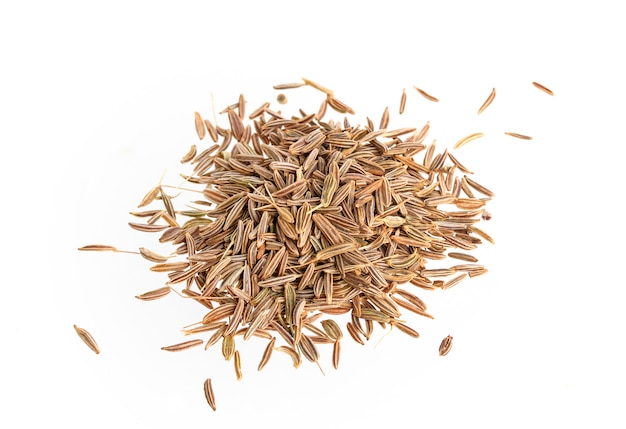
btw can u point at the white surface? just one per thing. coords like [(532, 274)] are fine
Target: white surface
[(97, 101)]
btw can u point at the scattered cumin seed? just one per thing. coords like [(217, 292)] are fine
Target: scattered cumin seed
[(543, 88), (403, 101), (87, 339), (518, 136), (208, 393), (488, 101), (425, 94), (467, 139), (445, 346), (182, 346)]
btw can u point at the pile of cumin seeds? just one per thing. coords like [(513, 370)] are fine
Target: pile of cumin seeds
[(303, 219)]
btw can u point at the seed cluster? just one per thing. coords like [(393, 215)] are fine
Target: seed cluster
[(302, 219)]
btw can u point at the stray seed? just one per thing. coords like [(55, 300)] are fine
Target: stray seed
[(237, 363), (425, 94), (281, 98), (402, 101), (543, 88), (98, 248), (466, 140), (518, 136), (208, 393), (155, 294), (289, 85), (182, 346), (267, 353), (87, 339), (317, 86), (336, 353), (488, 101), (200, 130), (445, 346)]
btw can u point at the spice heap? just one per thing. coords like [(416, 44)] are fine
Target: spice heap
[(304, 218)]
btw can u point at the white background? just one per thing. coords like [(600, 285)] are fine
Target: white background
[(97, 102)]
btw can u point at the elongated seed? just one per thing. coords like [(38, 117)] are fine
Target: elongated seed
[(267, 353), (154, 294), (87, 339), (488, 101), (425, 94), (518, 136), (445, 346), (208, 393), (543, 88), (467, 139), (182, 346)]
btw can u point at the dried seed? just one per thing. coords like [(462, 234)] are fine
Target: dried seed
[(518, 136), (281, 98), (462, 256), (200, 130), (317, 86), (267, 353), (289, 85), (543, 88), (208, 393), (87, 339), (189, 155), (237, 364), (453, 281), (425, 94), (466, 140), (154, 294), (98, 248), (295, 356), (445, 346), (336, 353), (488, 101), (182, 346), (403, 101), (228, 347)]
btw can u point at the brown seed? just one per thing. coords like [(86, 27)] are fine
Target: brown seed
[(98, 248), (228, 347), (467, 139), (87, 339), (406, 329), (267, 353), (488, 101), (453, 282), (425, 94), (200, 130), (289, 85), (402, 101), (317, 86), (462, 256), (518, 136), (336, 353), (384, 120), (149, 197), (237, 364), (445, 346), (189, 155), (155, 294), (208, 393), (182, 346), (281, 98), (543, 88)]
